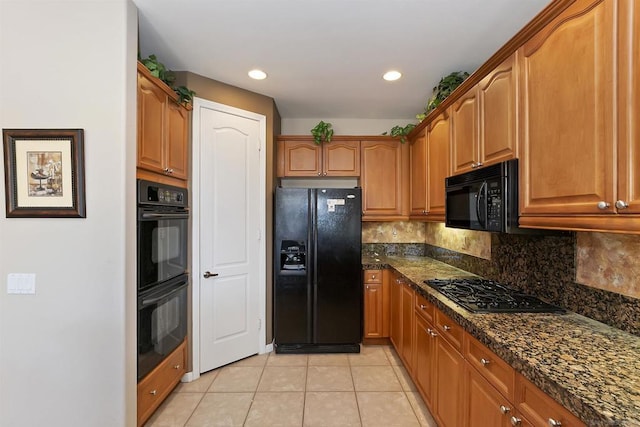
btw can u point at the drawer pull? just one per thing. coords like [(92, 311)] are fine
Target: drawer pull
[(446, 327), (373, 277), (176, 366), (422, 306), (515, 421), (484, 361), (433, 334), (153, 392), (505, 409), (554, 423)]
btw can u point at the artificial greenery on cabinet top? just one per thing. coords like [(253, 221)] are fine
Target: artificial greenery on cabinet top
[(159, 70)]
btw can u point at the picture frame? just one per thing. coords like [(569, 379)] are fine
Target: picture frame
[(44, 173)]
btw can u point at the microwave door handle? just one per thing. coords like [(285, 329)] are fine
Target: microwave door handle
[(480, 194)]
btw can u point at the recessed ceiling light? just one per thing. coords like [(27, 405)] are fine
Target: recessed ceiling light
[(392, 75), (257, 74)]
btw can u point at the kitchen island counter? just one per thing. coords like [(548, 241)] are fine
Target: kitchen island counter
[(590, 368)]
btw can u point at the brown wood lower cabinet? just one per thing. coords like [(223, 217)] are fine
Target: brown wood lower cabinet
[(438, 367), (376, 306), (156, 386), (462, 382), (486, 406)]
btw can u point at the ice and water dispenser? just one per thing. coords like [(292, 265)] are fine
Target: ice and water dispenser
[(293, 255)]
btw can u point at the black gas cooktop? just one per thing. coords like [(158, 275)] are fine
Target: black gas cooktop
[(486, 296)]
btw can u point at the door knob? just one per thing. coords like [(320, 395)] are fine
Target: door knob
[(208, 274)]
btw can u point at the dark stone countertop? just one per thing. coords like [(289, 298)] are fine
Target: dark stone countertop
[(591, 368)]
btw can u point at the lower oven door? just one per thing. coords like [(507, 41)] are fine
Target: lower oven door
[(162, 323)]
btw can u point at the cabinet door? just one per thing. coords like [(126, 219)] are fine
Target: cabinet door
[(439, 166), (177, 149), (464, 132), (485, 407), (302, 158), (407, 326), (418, 182), (567, 112), (381, 178), (629, 108), (423, 367), (373, 310), (497, 101), (449, 374), (395, 317), (151, 125), (341, 158)]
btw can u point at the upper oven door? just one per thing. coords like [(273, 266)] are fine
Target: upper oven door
[(162, 245)]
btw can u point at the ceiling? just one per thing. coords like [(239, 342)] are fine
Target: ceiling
[(325, 58)]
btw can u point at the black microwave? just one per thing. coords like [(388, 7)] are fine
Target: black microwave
[(484, 199)]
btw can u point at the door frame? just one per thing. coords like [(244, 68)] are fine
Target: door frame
[(194, 338)]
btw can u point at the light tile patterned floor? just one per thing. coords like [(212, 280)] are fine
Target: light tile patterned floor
[(317, 390)]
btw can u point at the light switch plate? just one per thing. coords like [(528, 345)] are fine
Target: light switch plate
[(21, 283)]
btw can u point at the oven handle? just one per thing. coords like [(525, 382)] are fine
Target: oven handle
[(148, 215), (146, 302)]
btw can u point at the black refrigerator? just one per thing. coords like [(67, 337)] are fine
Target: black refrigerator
[(317, 270)]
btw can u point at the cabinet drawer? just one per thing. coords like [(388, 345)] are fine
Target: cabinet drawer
[(449, 329), (498, 372), (424, 308), (372, 276), (539, 408), (156, 386)]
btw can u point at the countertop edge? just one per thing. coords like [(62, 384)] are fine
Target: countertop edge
[(577, 405)]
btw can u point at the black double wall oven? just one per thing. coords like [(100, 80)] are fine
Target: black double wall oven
[(162, 246)]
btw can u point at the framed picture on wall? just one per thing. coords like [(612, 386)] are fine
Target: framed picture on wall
[(44, 173)]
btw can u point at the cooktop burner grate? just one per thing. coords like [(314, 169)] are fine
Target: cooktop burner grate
[(488, 296)]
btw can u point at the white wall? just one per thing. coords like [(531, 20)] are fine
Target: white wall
[(68, 353), (344, 126)]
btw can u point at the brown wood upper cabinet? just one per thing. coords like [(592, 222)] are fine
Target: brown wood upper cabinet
[(580, 160), (484, 121), (430, 165), (163, 131), (384, 179), (301, 157)]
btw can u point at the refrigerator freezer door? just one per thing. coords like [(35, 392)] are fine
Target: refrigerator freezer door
[(292, 293)]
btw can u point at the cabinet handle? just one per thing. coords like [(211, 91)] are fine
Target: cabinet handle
[(484, 361), (515, 421), (473, 165), (153, 392), (367, 286), (373, 277), (446, 327), (422, 306), (176, 366), (430, 331), (621, 204), (602, 205), (479, 164), (505, 409), (325, 174), (168, 170), (319, 173), (554, 423)]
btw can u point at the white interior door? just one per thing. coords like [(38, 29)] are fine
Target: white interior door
[(230, 270)]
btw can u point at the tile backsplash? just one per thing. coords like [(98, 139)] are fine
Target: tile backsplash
[(594, 274)]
